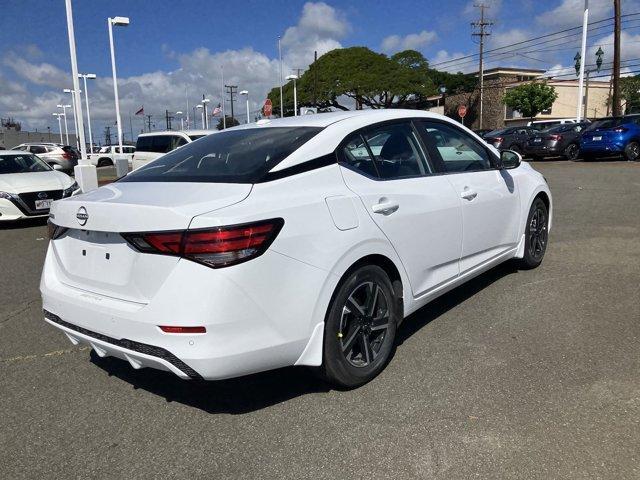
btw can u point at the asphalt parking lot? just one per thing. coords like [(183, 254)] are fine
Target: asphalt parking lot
[(518, 374)]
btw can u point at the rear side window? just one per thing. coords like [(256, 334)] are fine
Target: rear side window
[(159, 143), (37, 149), (233, 156)]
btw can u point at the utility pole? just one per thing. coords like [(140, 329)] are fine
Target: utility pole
[(107, 135), (168, 119), (231, 92), (148, 122), (480, 30), (616, 59)]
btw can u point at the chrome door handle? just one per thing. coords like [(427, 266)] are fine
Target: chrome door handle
[(469, 194), (385, 208)]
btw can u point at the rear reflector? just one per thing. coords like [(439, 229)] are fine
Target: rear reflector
[(169, 329), (555, 137), (215, 247)]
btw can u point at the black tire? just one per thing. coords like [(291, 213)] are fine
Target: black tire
[(357, 346), (571, 152), (632, 151), (515, 148), (105, 162), (536, 234)]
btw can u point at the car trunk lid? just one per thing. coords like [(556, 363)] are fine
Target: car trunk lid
[(94, 257)]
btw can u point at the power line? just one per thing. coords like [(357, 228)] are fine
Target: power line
[(499, 50)]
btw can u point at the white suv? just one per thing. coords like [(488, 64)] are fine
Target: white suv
[(155, 144), (106, 155)]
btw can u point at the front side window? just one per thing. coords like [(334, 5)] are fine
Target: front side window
[(37, 149), (457, 151), (233, 156), (356, 155), (22, 163)]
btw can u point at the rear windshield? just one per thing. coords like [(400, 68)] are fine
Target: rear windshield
[(22, 163), (232, 156), (497, 133), (195, 137), (606, 123)]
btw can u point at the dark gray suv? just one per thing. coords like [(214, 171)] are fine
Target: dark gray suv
[(60, 157)]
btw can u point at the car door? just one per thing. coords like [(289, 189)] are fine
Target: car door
[(488, 196), (418, 212)]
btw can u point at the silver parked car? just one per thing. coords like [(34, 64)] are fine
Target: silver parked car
[(58, 156)]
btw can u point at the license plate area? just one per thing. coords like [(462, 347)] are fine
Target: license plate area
[(597, 138), (537, 140), (43, 204)]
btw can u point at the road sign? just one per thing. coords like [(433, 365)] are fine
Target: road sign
[(267, 109), (462, 111)]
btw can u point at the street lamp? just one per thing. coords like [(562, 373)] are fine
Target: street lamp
[(118, 22), (246, 92), (75, 114), (202, 113), (206, 118), (443, 91), (295, 94), (181, 120), (64, 114), (90, 76), (59, 125)]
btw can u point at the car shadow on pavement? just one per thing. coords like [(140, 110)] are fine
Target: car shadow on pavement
[(255, 392), (24, 223)]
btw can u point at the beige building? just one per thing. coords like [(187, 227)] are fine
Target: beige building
[(496, 114)]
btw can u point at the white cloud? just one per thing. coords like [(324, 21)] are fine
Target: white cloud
[(509, 37), (320, 28), (413, 41)]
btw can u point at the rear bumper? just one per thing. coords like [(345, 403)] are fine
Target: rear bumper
[(602, 147), (542, 150), (258, 316)]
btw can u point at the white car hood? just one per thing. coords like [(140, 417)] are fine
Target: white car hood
[(34, 181)]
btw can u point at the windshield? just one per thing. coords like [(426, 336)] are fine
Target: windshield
[(233, 156), (104, 150), (605, 123), (22, 163), (195, 137), (559, 128)]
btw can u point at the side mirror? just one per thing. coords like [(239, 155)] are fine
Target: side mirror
[(510, 159), (57, 167)]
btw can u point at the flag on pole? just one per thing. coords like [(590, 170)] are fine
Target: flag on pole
[(216, 110), (141, 111)]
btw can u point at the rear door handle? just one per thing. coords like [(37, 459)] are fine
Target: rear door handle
[(469, 194), (385, 208)]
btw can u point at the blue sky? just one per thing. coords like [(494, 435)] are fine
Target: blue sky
[(171, 46)]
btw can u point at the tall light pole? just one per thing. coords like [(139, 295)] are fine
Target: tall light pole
[(206, 117), (246, 92), (295, 94), (75, 114), (281, 99), (86, 181), (119, 22), (181, 120), (59, 125), (583, 50), (91, 76), (64, 114), (199, 106)]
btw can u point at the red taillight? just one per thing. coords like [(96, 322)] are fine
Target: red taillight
[(66, 156), (498, 140), (555, 137), (214, 247), (169, 329)]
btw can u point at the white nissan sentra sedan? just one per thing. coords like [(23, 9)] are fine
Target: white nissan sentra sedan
[(299, 241), (28, 186)]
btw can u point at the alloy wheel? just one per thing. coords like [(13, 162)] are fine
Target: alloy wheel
[(572, 151), (364, 323), (538, 233), (633, 151)]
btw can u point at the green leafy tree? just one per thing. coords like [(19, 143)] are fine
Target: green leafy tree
[(530, 98), (231, 122), (630, 93)]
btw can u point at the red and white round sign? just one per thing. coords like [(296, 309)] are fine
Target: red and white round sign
[(462, 111)]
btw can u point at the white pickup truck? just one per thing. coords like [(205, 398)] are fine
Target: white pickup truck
[(106, 155)]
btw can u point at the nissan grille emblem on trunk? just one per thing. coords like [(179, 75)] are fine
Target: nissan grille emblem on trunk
[(82, 216)]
